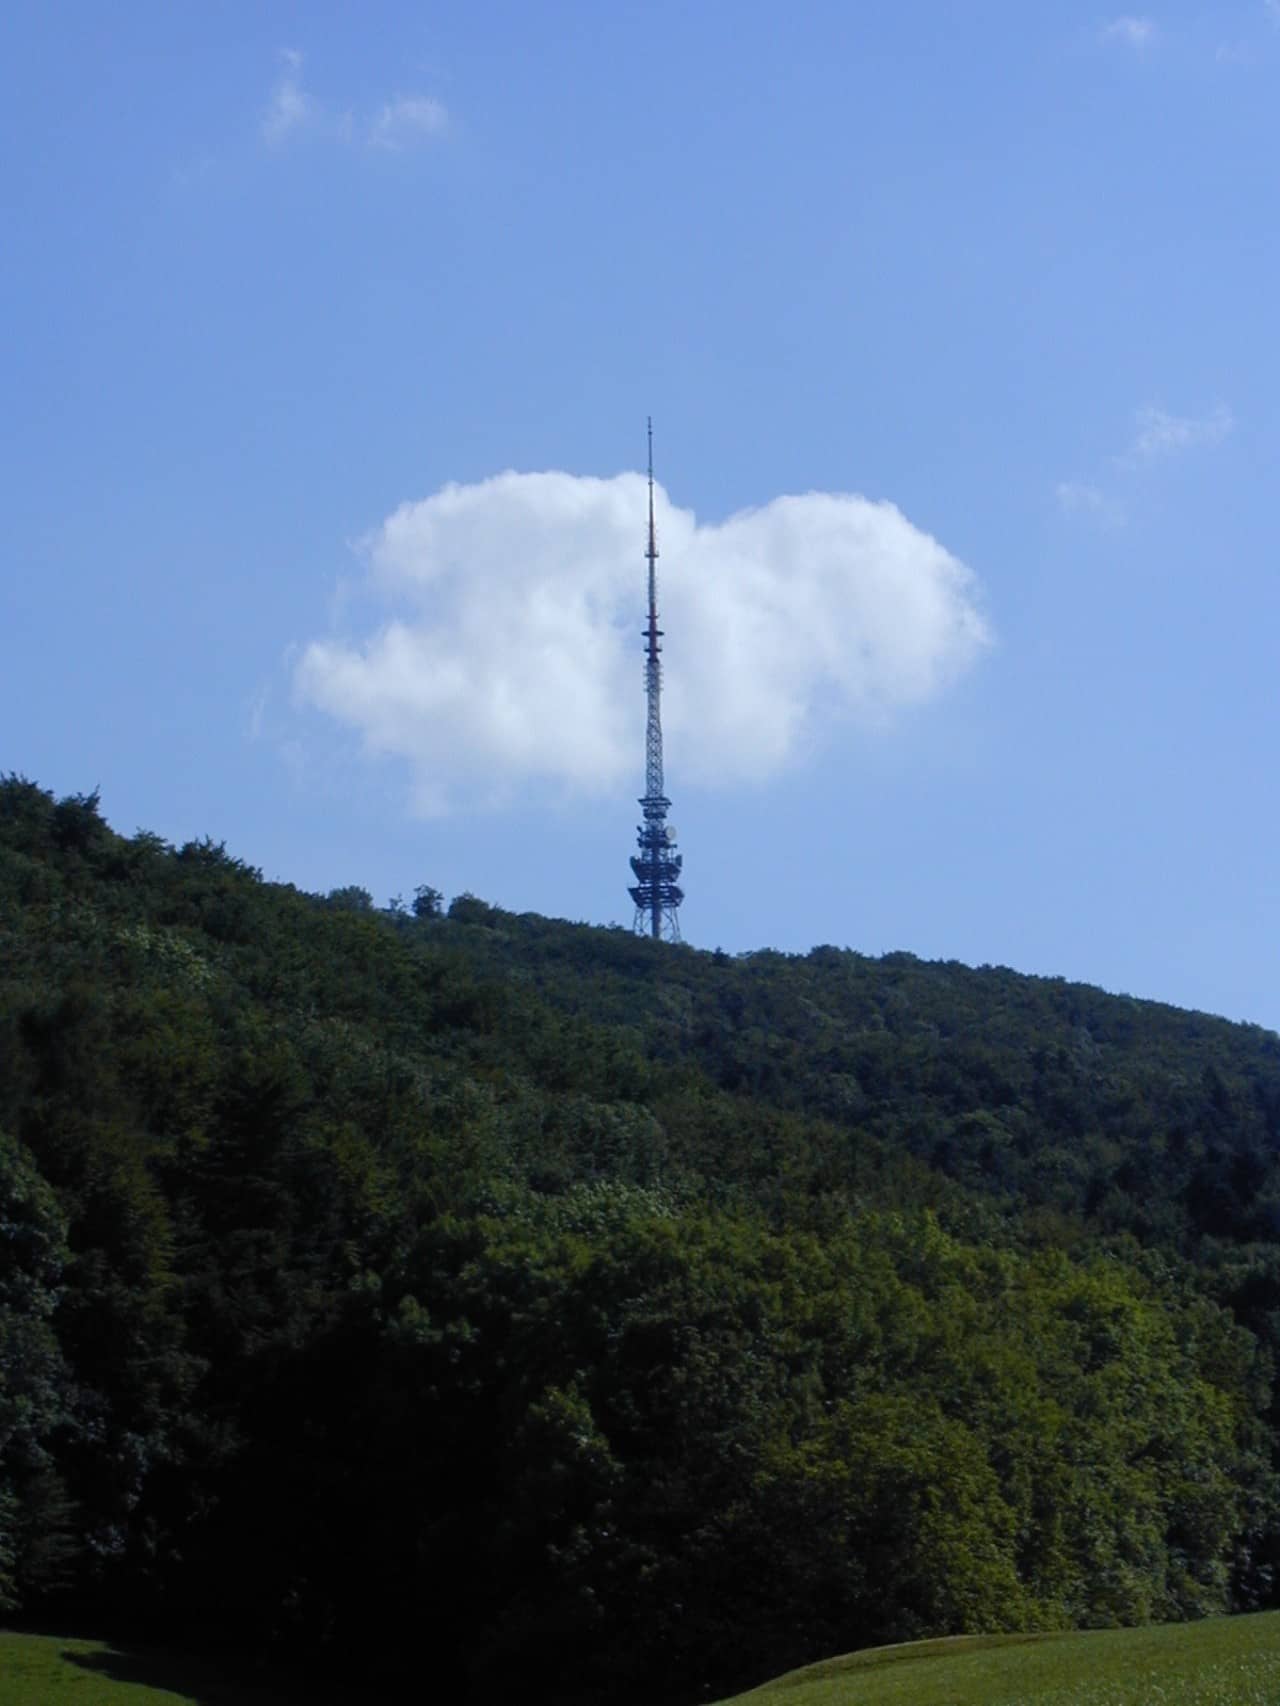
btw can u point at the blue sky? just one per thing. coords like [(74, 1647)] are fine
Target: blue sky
[(989, 290)]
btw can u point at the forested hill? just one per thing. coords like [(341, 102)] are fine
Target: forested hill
[(535, 1305)]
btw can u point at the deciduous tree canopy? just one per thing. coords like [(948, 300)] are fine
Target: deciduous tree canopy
[(623, 1319)]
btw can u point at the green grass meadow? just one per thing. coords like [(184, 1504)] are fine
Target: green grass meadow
[(1228, 1661), (1224, 1661), (39, 1668)]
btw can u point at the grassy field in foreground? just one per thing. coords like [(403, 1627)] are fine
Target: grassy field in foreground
[(39, 1668), (1229, 1661), (1224, 1661)]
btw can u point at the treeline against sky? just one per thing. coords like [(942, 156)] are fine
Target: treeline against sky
[(529, 1306)]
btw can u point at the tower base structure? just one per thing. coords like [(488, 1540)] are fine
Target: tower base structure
[(657, 893)]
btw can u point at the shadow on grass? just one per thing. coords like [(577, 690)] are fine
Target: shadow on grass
[(205, 1681)]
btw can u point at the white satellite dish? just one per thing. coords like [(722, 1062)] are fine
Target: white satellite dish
[(671, 834)]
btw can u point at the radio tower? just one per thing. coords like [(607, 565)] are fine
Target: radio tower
[(657, 865)]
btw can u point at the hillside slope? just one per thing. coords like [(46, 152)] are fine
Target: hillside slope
[(596, 1314), (1221, 1662)]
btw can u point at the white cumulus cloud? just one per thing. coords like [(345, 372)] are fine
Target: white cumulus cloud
[(407, 119), (397, 124), (1082, 497), (1134, 32), (1157, 433), (510, 654), (291, 108)]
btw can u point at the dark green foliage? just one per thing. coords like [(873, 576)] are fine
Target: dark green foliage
[(35, 1396), (615, 1318)]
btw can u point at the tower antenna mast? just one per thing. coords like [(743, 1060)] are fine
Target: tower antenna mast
[(656, 892)]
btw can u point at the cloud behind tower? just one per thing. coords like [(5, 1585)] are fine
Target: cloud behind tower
[(509, 653)]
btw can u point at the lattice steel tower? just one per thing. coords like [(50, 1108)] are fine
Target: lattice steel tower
[(657, 865)]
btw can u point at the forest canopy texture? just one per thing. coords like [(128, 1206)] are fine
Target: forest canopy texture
[(542, 1305)]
